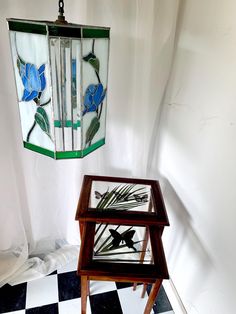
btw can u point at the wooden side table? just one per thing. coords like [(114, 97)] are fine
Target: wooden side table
[(101, 258), (121, 224)]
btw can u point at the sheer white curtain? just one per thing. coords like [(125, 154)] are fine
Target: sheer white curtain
[(39, 195)]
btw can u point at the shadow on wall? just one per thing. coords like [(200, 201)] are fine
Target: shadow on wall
[(160, 118), (188, 259)]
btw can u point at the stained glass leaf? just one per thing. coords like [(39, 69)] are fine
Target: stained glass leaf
[(93, 60), (95, 64), (92, 130), (123, 197), (41, 119), (89, 56)]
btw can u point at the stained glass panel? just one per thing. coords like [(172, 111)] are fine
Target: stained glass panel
[(32, 76), (94, 87), (121, 196), (65, 56), (119, 243)]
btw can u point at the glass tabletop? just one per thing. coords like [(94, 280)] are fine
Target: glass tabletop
[(120, 196), (120, 243)]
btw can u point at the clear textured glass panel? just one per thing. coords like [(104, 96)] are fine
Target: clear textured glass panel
[(76, 92), (66, 91), (56, 91), (94, 88), (119, 243), (65, 65), (121, 196), (32, 76)]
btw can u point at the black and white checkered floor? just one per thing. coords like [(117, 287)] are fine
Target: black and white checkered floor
[(60, 293)]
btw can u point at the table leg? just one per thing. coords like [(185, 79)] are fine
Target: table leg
[(152, 296), (84, 292), (144, 248), (81, 225), (88, 287), (144, 290)]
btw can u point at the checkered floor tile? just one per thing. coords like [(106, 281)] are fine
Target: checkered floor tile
[(59, 293)]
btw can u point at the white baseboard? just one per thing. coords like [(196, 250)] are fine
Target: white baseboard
[(174, 298)]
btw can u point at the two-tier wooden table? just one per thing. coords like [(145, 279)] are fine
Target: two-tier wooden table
[(121, 223)]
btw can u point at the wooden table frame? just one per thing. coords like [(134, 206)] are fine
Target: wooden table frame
[(157, 217), (90, 269), (154, 219)]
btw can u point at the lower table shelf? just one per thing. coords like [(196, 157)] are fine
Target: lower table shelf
[(94, 266)]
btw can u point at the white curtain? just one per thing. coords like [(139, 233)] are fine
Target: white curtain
[(39, 195)]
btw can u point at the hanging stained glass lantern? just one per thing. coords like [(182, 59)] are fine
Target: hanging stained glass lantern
[(61, 74)]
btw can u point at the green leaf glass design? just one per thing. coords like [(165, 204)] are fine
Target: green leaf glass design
[(93, 60), (41, 119), (95, 64), (122, 197), (92, 130)]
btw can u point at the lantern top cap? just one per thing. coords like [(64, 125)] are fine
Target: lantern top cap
[(55, 29), (41, 22)]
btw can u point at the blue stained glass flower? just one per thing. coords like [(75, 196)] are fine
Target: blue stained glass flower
[(93, 97), (33, 80)]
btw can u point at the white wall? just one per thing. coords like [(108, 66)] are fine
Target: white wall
[(197, 155)]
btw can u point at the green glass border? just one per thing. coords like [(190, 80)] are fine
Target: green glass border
[(64, 155), (93, 147), (39, 149), (80, 153), (68, 124), (27, 27), (95, 33)]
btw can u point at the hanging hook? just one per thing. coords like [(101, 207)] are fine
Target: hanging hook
[(61, 17), (61, 7)]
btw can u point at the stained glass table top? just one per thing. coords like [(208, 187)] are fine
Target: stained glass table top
[(121, 244), (127, 253), (107, 199), (120, 196)]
